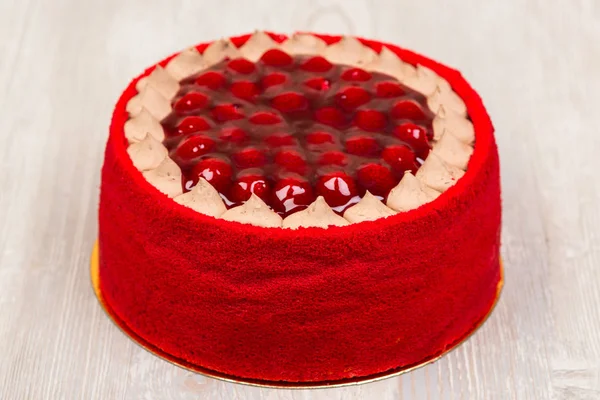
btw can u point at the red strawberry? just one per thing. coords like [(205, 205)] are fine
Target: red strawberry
[(337, 188), (376, 178), (191, 101)]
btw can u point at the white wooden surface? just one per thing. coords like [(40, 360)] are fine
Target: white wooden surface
[(64, 62)]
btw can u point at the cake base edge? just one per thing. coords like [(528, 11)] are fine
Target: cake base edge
[(95, 280)]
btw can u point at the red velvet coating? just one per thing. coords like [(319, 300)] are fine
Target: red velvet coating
[(304, 305)]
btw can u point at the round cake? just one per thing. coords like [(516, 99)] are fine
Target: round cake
[(308, 208)]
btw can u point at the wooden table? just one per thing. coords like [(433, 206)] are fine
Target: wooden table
[(537, 65)]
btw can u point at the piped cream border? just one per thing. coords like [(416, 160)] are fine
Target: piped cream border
[(453, 139)]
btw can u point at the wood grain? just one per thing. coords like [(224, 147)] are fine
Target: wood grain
[(537, 65)]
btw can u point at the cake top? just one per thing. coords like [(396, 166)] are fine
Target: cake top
[(315, 134)]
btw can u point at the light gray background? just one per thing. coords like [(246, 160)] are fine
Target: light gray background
[(536, 63)]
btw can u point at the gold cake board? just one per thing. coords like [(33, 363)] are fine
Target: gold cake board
[(94, 271)]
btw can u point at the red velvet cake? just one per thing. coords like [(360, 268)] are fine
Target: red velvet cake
[(300, 209)]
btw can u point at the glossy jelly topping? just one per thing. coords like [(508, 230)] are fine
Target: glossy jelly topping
[(291, 128)]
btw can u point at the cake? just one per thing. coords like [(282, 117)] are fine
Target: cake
[(308, 208)]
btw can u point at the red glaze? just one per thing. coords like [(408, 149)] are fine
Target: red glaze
[(351, 97), (226, 112), (335, 303), (217, 172), (211, 79), (193, 147), (389, 89), (319, 83), (338, 189), (316, 64), (191, 125), (305, 106), (273, 79), (245, 90), (192, 101), (244, 186), (291, 194), (241, 66), (356, 75), (277, 58), (401, 158), (376, 178), (408, 109), (415, 136)]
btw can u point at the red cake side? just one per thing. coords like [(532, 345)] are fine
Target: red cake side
[(306, 305)]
